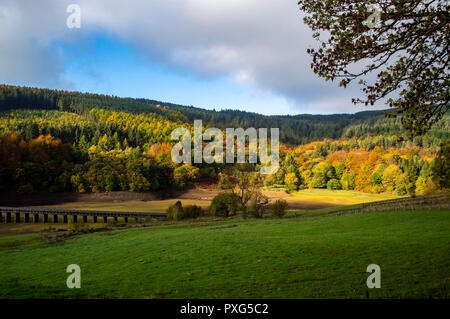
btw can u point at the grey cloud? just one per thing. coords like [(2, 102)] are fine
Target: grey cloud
[(27, 29), (259, 43)]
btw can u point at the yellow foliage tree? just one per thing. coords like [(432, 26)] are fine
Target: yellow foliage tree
[(390, 175)]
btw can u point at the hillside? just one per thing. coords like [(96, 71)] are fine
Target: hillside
[(67, 141), (293, 129), (315, 257)]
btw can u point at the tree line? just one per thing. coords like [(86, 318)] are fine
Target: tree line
[(341, 164), (102, 149), (294, 130)]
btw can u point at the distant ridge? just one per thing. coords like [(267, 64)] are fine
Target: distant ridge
[(294, 129)]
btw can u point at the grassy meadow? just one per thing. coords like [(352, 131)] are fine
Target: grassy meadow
[(323, 256)]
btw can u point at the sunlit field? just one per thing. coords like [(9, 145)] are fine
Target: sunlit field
[(129, 206), (337, 197), (300, 200)]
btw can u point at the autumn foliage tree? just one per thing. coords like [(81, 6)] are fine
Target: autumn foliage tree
[(405, 43)]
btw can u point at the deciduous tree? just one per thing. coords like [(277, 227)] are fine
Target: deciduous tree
[(406, 47)]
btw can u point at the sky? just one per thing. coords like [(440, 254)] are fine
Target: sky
[(215, 54)]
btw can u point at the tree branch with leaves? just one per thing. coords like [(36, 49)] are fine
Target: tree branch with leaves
[(407, 49)]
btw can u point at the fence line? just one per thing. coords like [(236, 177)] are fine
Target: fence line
[(441, 201)]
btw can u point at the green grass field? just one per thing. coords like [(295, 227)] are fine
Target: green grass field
[(305, 257)]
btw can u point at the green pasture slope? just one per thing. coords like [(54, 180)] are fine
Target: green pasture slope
[(302, 257)]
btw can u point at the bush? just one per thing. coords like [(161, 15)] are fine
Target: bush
[(26, 189), (425, 186), (192, 211), (178, 212), (224, 204), (258, 204), (208, 172), (175, 211), (334, 184), (279, 208), (269, 180)]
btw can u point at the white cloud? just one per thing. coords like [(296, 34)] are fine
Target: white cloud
[(260, 44)]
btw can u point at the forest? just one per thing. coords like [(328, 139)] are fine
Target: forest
[(61, 141)]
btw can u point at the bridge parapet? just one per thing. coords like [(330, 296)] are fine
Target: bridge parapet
[(6, 215)]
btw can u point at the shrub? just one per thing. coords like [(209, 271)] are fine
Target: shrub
[(81, 189), (425, 186), (224, 204), (269, 180), (192, 211), (175, 211), (26, 189), (258, 204), (279, 208), (334, 184), (208, 172)]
